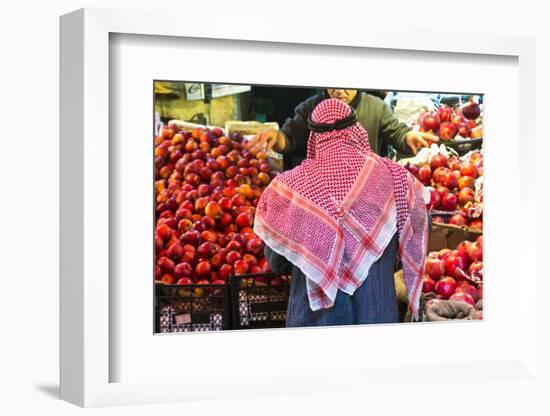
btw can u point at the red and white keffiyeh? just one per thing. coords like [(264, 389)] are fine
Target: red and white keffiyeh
[(333, 215)]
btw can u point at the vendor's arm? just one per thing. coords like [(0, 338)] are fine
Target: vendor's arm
[(293, 136), (277, 263), (400, 136)]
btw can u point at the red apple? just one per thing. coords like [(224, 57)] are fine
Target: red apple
[(232, 256), (205, 250), (183, 269), (241, 267), (167, 265), (191, 237), (264, 265), (168, 279), (226, 270), (244, 220), (255, 246), (234, 245), (203, 269), (210, 236), (164, 232), (175, 251), (213, 210), (250, 259), (184, 281)]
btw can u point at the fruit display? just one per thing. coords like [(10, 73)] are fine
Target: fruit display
[(456, 274), (207, 186), (455, 185), (453, 123)]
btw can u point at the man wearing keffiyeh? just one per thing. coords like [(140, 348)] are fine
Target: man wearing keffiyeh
[(337, 222)]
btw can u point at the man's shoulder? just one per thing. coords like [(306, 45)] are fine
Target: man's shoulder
[(312, 101), (372, 100)]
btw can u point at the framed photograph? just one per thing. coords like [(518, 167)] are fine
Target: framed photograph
[(197, 263)]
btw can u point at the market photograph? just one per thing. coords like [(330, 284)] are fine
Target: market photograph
[(280, 206)]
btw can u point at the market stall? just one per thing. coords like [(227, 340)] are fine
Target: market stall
[(210, 271)]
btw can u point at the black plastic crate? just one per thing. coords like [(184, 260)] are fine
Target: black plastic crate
[(464, 146), (192, 308), (259, 300)]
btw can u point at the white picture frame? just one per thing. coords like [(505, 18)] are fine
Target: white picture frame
[(85, 353)]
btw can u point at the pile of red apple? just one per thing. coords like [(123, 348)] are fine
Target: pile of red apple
[(207, 185), (456, 274), (451, 181), (447, 122)]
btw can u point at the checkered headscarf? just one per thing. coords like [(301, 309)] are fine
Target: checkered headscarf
[(333, 215)]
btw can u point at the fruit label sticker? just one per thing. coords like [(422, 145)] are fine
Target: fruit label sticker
[(183, 319)]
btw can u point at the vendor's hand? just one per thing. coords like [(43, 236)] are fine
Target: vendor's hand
[(417, 139), (268, 139)]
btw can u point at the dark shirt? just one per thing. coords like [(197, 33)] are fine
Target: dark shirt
[(374, 115)]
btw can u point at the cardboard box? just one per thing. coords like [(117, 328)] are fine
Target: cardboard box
[(448, 236)]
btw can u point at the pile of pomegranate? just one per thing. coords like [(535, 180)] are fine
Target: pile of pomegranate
[(447, 122), (454, 196), (207, 185), (456, 274)]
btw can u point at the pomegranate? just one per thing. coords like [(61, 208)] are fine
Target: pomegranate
[(430, 122), (458, 219), (453, 262), (445, 287), (435, 200), (447, 131), (463, 297), (471, 110), (428, 284), (434, 268), (464, 130), (438, 160), (466, 195), (465, 287), (425, 175), (474, 253), (444, 113), (438, 173), (449, 202)]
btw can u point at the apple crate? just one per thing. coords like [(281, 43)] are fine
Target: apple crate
[(259, 300), (192, 308)]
